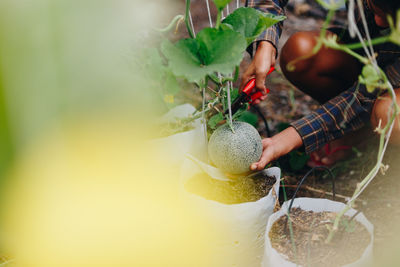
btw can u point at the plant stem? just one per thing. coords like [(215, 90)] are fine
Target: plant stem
[(215, 79), (346, 50), (174, 21), (223, 80), (375, 169), (218, 21), (284, 191), (236, 76), (376, 41), (189, 29), (291, 65)]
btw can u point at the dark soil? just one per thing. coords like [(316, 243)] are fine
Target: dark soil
[(240, 190), (171, 128), (310, 231)]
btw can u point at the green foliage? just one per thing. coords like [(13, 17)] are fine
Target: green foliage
[(371, 78), (271, 19), (250, 23), (297, 160), (207, 53), (234, 95), (214, 54), (221, 3), (239, 113), (214, 120), (157, 75), (171, 85), (248, 117), (395, 29)]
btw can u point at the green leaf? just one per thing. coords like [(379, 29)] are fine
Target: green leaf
[(151, 63), (241, 111), (157, 75), (226, 27), (221, 50), (394, 29), (250, 22), (214, 120), (371, 78), (183, 59), (246, 22), (221, 3), (297, 160), (208, 53), (171, 85), (249, 117), (269, 19), (234, 95)]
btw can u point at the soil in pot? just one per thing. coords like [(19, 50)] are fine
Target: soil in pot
[(171, 128), (310, 231), (239, 190)]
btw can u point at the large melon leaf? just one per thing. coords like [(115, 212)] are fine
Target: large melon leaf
[(250, 22), (211, 51)]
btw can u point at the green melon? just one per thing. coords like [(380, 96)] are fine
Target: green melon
[(235, 152)]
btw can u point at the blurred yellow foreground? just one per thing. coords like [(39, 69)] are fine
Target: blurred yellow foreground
[(90, 194)]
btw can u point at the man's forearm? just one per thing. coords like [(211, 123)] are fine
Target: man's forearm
[(277, 146), (286, 141)]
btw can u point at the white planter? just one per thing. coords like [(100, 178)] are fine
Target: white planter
[(273, 259), (243, 224), (173, 149)]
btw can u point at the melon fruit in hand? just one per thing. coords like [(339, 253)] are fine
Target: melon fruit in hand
[(234, 152)]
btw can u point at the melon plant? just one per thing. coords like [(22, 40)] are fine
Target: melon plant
[(203, 59), (234, 151)]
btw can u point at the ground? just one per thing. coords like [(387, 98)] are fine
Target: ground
[(285, 103)]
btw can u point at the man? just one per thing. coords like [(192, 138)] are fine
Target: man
[(329, 77)]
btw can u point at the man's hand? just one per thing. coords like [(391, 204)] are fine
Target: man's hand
[(277, 146), (263, 60)]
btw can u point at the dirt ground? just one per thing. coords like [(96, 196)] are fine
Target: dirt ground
[(380, 202)]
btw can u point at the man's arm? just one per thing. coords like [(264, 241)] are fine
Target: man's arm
[(265, 45), (273, 33), (345, 113)]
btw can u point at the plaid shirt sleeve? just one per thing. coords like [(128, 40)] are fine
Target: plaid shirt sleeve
[(273, 33), (345, 113)]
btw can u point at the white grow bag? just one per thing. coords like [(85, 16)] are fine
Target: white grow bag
[(173, 149), (245, 222), (273, 259)]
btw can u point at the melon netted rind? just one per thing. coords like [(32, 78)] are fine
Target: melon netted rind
[(235, 152)]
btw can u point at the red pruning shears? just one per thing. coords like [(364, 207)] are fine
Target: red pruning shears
[(246, 96)]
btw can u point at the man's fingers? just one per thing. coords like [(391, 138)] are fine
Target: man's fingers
[(263, 65), (246, 77), (266, 157), (266, 142), (258, 101), (260, 81), (253, 166)]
